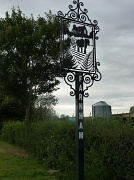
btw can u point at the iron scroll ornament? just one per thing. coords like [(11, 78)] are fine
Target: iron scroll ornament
[(78, 15), (83, 35), (88, 80)]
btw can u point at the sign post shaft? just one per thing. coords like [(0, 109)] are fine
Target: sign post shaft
[(81, 32), (79, 126)]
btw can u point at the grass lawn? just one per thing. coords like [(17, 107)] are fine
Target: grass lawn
[(16, 163)]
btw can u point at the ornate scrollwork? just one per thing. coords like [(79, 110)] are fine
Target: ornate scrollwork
[(69, 79), (60, 14), (97, 76), (78, 14), (73, 15), (98, 63), (82, 33), (87, 79), (97, 29)]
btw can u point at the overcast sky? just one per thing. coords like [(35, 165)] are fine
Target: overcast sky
[(115, 50)]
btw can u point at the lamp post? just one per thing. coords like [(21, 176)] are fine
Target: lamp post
[(82, 32)]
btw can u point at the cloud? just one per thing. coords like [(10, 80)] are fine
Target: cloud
[(115, 51)]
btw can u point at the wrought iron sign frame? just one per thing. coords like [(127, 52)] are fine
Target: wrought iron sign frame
[(89, 65), (82, 32)]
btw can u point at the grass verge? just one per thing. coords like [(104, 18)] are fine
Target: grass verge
[(16, 164)]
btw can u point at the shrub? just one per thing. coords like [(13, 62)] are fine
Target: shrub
[(13, 132), (108, 145)]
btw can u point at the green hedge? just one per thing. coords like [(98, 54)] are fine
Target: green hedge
[(109, 147)]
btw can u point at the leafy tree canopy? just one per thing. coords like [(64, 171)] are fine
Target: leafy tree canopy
[(29, 56), (131, 109), (10, 108), (44, 107)]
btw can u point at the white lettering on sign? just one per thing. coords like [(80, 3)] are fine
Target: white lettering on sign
[(80, 88), (80, 135), (80, 115), (80, 78), (81, 125), (80, 96), (80, 106)]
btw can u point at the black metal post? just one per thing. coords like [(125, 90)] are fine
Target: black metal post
[(84, 71), (79, 126)]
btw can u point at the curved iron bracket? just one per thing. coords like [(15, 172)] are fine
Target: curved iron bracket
[(78, 27)]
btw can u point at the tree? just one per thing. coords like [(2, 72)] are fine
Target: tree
[(131, 109), (44, 106), (29, 56), (64, 117), (10, 108)]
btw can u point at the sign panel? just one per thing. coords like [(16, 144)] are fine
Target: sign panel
[(82, 45)]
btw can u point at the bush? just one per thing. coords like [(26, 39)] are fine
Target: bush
[(109, 151), (13, 132), (108, 145)]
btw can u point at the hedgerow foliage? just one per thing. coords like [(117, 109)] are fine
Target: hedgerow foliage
[(109, 146)]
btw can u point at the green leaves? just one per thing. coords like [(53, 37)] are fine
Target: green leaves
[(109, 146), (131, 109), (29, 55)]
